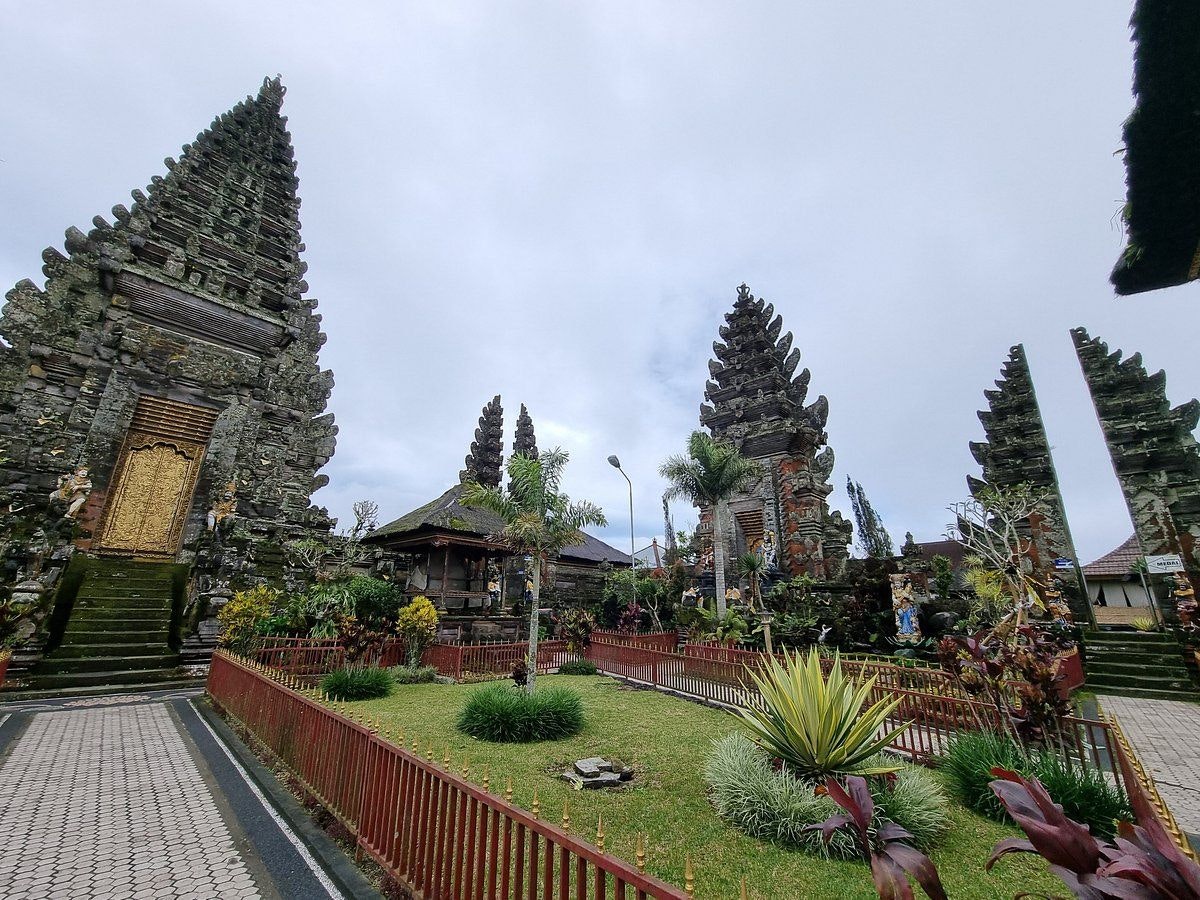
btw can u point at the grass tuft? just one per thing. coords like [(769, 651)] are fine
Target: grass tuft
[(577, 667), (358, 683), (414, 674), (502, 713)]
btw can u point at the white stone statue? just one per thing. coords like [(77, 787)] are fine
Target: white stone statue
[(73, 489)]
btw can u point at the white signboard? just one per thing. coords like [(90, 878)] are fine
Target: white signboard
[(1161, 565)]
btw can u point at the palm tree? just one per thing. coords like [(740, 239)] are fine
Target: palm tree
[(539, 520), (753, 566), (710, 473)]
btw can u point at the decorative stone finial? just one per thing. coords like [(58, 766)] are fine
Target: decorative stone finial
[(485, 461), (525, 442)]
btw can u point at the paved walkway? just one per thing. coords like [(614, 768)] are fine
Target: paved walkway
[(112, 798), (1166, 736)]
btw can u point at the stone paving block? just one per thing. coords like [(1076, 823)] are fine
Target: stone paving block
[(107, 804), (1165, 734)]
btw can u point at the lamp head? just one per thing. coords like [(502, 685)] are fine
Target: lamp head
[(614, 462)]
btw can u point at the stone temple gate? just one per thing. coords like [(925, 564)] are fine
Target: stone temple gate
[(164, 387)]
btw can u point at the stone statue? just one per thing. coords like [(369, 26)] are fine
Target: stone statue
[(768, 550), (690, 598), (908, 630), (73, 489), (493, 585), (707, 560), (1060, 612), (225, 508), (1185, 601), (733, 596)]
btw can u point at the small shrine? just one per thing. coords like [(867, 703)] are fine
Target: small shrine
[(448, 551)]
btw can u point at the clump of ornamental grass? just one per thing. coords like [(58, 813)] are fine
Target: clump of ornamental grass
[(505, 714), (358, 683)]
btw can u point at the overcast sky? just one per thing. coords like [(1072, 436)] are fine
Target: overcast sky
[(556, 202)]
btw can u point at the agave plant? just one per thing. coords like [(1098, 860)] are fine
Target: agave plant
[(818, 726)]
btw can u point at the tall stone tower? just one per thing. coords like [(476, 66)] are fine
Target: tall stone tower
[(1153, 449), (485, 463), (1016, 452), (756, 402), (173, 354)]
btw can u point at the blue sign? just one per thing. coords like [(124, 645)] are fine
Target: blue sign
[(1063, 563)]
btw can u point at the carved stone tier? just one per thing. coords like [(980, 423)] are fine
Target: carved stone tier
[(1017, 451), (1153, 448), (485, 462)]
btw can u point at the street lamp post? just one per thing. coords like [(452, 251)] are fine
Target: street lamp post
[(616, 464)]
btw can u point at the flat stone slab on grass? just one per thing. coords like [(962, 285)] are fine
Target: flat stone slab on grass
[(592, 766), (597, 772)]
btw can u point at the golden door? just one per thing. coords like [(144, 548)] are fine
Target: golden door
[(152, 491)]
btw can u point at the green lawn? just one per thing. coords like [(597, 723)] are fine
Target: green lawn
[(666, 740)]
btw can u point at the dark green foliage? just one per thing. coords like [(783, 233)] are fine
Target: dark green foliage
[(365, 683), (508, 715), (968, 765), (943, 575), (577, 667), (1085, 795), (873, 538), (414, 674), (374, 600)]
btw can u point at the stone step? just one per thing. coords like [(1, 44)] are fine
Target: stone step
[(106, 591), (52, 665), (1139, 655), (97, 648), (1129, 637), (1169, 683), (157, 636), (114, 624), (14, 694), (1106, 669), (146, 606), (125, 676)]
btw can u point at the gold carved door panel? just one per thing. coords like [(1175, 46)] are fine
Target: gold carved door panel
[(152, 492)]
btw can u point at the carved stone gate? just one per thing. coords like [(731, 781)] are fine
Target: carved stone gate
[(155, 478)]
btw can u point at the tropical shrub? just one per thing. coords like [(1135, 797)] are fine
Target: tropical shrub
[(375, 601), (414, 674), (358, 683), (577, 667), (241, 617), (968, 763), (915, 800), (1085, 794), (505, 714), (817, 726), (887, 847), (360, 638), (771, 805), (1144, 862), (575, 626), (417, 625), (749, 792)]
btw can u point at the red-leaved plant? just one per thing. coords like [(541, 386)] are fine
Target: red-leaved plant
[(887, 847), (1142, 864)]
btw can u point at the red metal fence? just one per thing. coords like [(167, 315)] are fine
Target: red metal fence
[(301, 655), (5, 656), (931, 708), (313, 657), (667, 641), (458, 660), (437, 834)]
